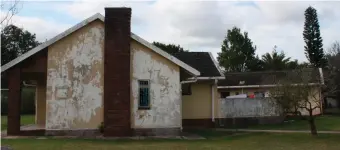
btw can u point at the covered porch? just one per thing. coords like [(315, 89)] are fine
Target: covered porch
[(28, 73)]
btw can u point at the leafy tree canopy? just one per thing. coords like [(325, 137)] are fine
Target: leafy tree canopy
[(15, 42), (169, 48), (237, 52)]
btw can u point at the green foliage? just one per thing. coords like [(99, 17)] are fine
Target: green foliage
[(278, 61), (332, 72), (311, 35), (237, 52), (101, 127), (169, 48), (256, 64), (24, 120), (27, 101), (294, 92), (14, 42)]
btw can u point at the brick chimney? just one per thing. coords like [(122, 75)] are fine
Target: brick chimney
[(117, 72)]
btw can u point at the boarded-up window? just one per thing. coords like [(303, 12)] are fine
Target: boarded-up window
[(144, 94)]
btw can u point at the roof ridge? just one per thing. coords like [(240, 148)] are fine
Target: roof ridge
[(84, 23)]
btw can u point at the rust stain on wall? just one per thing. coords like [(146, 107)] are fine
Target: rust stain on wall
[(75, 79)]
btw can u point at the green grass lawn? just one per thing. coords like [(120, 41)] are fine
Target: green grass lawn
[(25, 119), (246, 141), (324, 123)]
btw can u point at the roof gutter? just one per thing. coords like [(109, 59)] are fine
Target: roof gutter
[(209, 78), (260, 86), (191, 80)]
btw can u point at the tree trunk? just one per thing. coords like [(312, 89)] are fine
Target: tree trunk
[(312, 123)]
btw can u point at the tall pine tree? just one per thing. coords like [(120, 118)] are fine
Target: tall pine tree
[(311, 35), (237, 52)]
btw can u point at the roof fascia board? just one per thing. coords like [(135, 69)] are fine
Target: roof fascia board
[(216, 64), (260, 86)]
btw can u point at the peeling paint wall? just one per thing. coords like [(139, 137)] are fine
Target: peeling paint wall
[(315, 91), (165, 93), (248, 107), (198, 104), (75, 79)]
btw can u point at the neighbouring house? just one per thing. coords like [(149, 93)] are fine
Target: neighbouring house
[(258, 84), (200, 100), (99, 75)]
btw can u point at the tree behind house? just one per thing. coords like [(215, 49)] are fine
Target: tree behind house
[(295, 92), (312, 37), (237, 52), (169, 48), (332, 80), (277, 61), (15, 42)]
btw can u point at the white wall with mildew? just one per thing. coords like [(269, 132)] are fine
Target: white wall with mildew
[(75, 80), (165, 95)]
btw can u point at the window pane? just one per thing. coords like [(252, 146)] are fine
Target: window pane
[(144, 94)]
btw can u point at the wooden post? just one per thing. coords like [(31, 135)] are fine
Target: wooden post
[(14, 101)]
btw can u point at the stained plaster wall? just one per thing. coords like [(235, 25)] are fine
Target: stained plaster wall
[(248, 107), (75, 79), (165, 93), (243, 107), (198, 105)]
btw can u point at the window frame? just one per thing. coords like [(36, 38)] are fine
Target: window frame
[(139, 98)]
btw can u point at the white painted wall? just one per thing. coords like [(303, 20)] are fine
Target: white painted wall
[(74, 89), (165, 95)]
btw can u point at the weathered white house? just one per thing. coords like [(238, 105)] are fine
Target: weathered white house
[(98, 74)]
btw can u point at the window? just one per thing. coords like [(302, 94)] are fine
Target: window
[(225, 94), (236, 93), (186, 89), (144, 94)]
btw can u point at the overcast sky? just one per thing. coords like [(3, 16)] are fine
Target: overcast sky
[(195, 25)]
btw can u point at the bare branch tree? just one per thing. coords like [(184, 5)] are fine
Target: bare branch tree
[(8, 10), (300, 90), (334, 49), (332, 72)]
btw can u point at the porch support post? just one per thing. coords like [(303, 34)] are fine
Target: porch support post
[(14, 101)]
